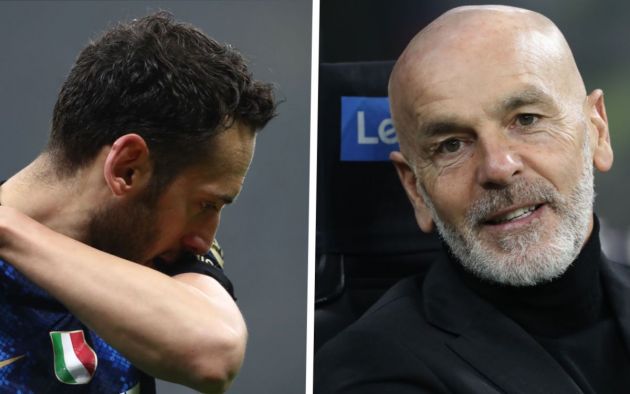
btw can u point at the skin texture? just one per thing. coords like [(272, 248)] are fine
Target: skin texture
[(184, 329), (486, 98)]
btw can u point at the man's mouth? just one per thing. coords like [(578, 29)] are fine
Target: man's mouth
[(166, 258), (163, 259), (513, 215)]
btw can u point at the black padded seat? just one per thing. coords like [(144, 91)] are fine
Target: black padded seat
[(367, 236)]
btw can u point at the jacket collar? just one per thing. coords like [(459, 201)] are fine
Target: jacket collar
[(616, 279), (489, 341)]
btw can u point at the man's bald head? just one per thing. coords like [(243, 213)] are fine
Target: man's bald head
[(470, 47), (499, 141)]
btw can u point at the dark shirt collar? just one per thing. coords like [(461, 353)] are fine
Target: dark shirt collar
[(566, 304)]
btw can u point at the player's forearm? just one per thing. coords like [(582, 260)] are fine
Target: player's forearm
[(168, 328)]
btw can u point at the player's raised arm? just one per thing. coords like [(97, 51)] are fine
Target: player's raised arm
[(152, 135)]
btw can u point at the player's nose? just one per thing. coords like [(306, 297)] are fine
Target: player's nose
[(197, 244)]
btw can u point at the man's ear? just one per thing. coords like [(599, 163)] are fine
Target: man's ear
[(602, 150), (127, 168), (409, 182)]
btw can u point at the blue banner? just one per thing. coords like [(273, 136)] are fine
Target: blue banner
[(367, 131)]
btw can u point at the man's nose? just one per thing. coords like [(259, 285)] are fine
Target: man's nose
[(500, 164), (196, 244), (199, 240)]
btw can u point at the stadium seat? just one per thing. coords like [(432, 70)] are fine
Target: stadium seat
[(367, 237)]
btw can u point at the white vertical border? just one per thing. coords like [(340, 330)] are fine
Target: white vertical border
[(312, 199)]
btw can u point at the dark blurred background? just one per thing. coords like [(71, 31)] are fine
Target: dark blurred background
[(597, 31), (264, 234)]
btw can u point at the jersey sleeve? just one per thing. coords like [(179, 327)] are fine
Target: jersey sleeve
[(210, 264)]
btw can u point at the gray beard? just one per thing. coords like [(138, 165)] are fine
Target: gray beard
[(524, 259)]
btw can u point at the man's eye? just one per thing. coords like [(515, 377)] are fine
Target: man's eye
[(450, 146), (526, 119)]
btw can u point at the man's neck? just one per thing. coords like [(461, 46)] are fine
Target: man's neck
[(565, 304), (63, 204)]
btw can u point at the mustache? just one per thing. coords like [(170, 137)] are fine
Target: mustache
[(519, 193)]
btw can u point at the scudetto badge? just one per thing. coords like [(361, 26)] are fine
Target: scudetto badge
[(75, 360)]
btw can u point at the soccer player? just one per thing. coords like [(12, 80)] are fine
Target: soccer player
[(152, 135)]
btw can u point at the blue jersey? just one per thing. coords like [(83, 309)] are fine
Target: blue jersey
[(45, 349)]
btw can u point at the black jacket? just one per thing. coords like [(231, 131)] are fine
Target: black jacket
[(437, 336)]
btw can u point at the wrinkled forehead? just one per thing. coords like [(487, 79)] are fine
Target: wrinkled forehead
[(479, 60), (480, 67)]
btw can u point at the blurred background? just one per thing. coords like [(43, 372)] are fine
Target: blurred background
[(597, 31), (264, 234)]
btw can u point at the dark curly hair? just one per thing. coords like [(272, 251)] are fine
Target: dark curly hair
[(164, 80)]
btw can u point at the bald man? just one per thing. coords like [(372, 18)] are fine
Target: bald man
[(499, 141)]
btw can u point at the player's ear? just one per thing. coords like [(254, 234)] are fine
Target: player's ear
[(127, 168), (600, 144), (410, 184)]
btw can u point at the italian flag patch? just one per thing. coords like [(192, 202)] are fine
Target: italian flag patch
[(75, 361)]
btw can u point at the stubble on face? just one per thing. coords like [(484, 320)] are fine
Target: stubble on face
[(127, 230), (536, 254)]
